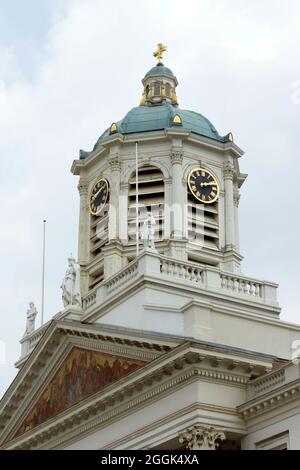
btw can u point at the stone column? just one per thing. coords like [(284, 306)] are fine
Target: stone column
[(167, 207), (236, 200), (178, 243), (123, 213), (83, 235), (113, 250), (115, 170), (177, 199), (229, 207), (201, 438)]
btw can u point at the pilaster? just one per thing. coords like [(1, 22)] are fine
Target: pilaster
[(115, 171), (112, 258), (178, 244), (229, 207), (83, 241), (236, 200)]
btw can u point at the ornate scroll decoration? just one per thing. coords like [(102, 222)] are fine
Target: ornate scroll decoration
[(82, 188), (201, 438), (228, 170), (176, 156), (115, 163)]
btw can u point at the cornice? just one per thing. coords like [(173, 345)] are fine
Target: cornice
[(174, 369), (54, 346), (234, 304), (272, 400), (185, 415), (230, 147)]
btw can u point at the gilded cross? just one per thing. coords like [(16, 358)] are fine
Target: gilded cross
[(159, 51)]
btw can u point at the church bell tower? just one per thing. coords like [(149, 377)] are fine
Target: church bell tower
[(162, 342), (188, 178)]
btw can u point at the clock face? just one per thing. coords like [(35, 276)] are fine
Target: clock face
[(203, 185), (99, 196)]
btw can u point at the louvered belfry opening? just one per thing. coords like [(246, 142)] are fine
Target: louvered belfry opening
[(203, 223), (151, 199), (98, 239)]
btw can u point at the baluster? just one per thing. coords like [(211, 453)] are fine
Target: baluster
[(176, 270), (167, 269), (257, 290)]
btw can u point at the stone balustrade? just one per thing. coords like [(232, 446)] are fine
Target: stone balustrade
[(267, 383), (89, 299), (125, 276), (185, 271), (30, 341), (153, 266), (241, 285)]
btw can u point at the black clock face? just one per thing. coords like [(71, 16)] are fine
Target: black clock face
[(99, 196), (203, 185)]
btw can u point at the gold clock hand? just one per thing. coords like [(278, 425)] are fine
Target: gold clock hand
[(212, 183), (95, 195)]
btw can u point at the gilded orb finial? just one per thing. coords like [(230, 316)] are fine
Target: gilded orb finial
[(159, 51)]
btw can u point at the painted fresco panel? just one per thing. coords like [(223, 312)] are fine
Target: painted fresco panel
[(83, 373)]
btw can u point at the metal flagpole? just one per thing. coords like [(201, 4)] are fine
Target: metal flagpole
[(43, 272), (137, 198)]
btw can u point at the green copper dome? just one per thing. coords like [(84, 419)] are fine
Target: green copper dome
[(156, 118), (160, 69), (159, 110)]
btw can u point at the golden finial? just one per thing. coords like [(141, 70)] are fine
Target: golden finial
[(159, 51)]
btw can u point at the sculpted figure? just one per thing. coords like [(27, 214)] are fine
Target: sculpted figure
[(30, 320), (148, 231), (71, 284)]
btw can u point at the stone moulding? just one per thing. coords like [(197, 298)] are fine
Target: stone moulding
[(265, 403), (174, 368)]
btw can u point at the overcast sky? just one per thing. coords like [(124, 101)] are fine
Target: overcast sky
[(68, 68)]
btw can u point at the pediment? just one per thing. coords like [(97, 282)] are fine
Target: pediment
[(79, 376), (71, 364), (83, 373)]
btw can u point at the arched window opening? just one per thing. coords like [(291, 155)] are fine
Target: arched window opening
[(151, 199), (98, 239), (168, 90), (157, 89)]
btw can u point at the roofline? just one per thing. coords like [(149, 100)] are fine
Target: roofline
[(155, 135)]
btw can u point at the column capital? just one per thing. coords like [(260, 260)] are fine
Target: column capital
[(115, 162), (176, 156), (83, 188), (228, 170), (201, 438)]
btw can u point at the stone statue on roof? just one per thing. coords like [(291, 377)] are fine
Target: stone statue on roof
[(30, 319), (148, 231), (71, 284)]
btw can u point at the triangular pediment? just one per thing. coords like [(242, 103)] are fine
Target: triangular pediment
[(71, 364), (83, 373)]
